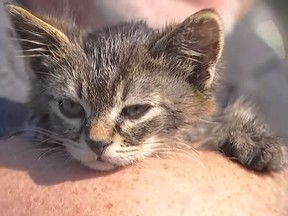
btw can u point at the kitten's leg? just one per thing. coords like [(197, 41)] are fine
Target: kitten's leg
[(242, 136)]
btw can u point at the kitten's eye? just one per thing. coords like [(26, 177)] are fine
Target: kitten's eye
[(71, 109), (135, 111)]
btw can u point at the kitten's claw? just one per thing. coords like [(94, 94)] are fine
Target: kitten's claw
[(258, 153), (242, 136)]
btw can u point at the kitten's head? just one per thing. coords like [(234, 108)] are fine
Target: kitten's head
[(119, 95)]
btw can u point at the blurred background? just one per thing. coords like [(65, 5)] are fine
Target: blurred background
[(255, 49)]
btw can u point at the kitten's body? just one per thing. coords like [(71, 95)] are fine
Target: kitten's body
[(111, 74)]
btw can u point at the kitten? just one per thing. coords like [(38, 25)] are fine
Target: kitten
[(124, 93)]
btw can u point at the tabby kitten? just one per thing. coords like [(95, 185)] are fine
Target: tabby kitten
[(124, 93)]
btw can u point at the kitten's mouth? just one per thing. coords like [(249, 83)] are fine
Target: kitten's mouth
[(111, 158), (99, 165)]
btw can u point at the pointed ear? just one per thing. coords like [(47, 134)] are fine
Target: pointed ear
[(39, 40), (193, 46)]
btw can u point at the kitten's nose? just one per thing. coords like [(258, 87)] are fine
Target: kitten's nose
[(98, 146)]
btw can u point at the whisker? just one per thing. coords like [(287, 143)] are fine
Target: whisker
[(30, 56), (36, 150), (40, 50), (59, 154), (29, 41), (37, 34), (180, 152), (45, 153), (68, 160), (208, 121)]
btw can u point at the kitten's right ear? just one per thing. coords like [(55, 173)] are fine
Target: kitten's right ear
[(39, 40)]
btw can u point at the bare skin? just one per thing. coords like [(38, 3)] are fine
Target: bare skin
[(211, 185)]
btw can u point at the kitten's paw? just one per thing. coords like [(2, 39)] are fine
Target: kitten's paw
[(263, 153)]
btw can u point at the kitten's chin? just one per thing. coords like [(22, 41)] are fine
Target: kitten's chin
[(99, 165)]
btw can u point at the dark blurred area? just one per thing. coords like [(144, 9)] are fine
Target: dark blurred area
[(280, 7), (257, 62), (255, 50)]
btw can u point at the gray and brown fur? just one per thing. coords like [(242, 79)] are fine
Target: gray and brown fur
[(173, 71)]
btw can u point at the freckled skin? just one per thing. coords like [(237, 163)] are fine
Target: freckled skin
[(171, 72)]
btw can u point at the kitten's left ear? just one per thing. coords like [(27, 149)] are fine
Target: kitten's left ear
[(195, 46)]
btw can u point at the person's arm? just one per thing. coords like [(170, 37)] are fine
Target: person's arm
[(208, 184)]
